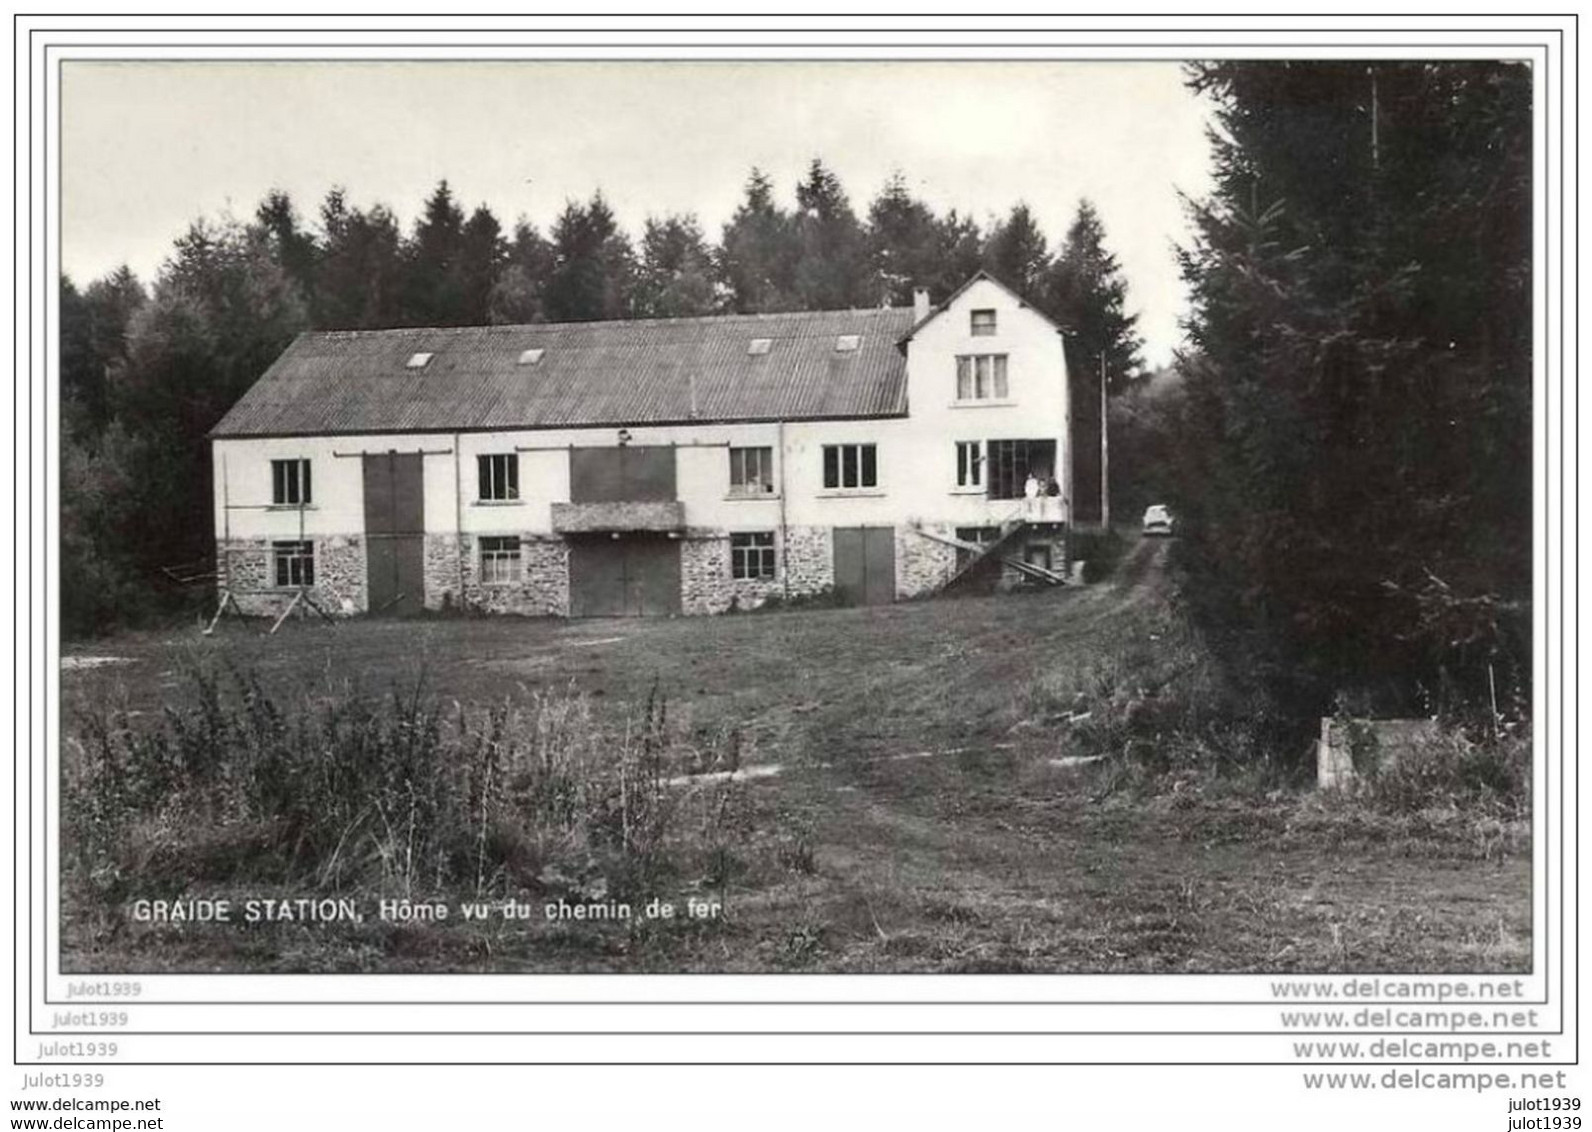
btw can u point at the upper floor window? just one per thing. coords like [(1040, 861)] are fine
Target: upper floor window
[(851, 465), (981, 377), (751, 471), (983, 324), (499, 476), (290, 482), (969, 463)]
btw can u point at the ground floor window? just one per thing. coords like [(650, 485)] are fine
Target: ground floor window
[(295, 563), (752, 555), (500, 560)]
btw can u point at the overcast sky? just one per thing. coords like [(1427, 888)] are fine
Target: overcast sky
[(149, 147)]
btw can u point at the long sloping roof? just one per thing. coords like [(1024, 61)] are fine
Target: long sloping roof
[(649, 371)]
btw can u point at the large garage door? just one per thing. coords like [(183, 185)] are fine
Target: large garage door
[(865, 565), (632, 576), (395, 532)]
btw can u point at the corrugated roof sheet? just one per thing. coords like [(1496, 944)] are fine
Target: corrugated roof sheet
[(648, 371)]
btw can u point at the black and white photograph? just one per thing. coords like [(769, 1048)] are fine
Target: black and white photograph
[(766, 516)]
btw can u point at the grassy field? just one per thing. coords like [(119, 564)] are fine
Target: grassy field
[(907, 804)]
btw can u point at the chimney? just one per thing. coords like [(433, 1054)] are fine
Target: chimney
[(920, 305)]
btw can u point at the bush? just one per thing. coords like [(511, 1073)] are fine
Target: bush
[(1454, 768)]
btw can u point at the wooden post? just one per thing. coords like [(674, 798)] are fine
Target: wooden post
[(291, 606)]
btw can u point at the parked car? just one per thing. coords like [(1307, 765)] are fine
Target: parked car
[(1158, 519)]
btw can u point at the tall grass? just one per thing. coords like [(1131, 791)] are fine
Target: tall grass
[(335, 789)]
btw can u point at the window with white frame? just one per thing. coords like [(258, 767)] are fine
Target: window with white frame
[(751, 471), (294, 563), (752, 555), (850, 466), (982, 324), (969, 463), (981, 377), (290, 482), (500, 560), (499, 475)]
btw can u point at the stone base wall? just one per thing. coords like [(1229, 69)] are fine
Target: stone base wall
[(806, 566), (542, 590), (706, 584), (247, 568), (443, 582), (923, 564), (810, 559)]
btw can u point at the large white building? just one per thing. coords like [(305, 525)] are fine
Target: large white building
[(649, 467)]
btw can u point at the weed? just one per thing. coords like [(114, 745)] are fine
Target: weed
[(341, 789)]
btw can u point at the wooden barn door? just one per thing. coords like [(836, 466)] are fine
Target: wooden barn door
[(632, 576), (395, 532), (865, 565)]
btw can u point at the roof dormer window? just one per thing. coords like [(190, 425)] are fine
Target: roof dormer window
[(531, 357), (848, 343), (419, 360)]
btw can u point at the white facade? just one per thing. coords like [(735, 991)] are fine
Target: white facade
[(915, 486)]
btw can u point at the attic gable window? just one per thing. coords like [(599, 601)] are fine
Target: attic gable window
[(419, 360), (982, 324), (759, 346), (532, 357), (848, 343)]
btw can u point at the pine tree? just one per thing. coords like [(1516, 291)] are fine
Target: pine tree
[(594, 267), (675, 277), (433, 289), (295, 246), (1085, 292), (358, 281), (831, 251), (910, 248), (1359, 387), (94, 326), (519, 290), (757, 252), (482, 258), (1018, 255)]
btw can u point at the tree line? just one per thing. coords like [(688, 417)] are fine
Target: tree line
[(147, 371)]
